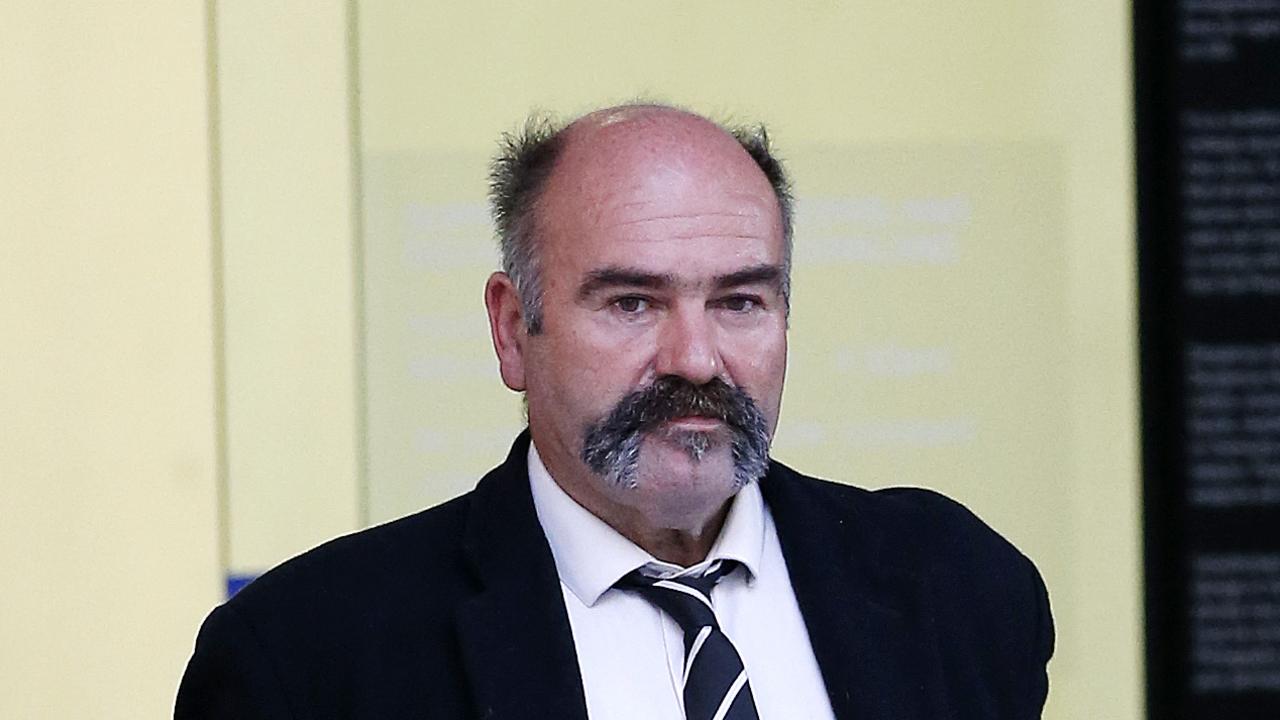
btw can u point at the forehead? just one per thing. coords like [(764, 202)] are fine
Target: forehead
[(661, 183)]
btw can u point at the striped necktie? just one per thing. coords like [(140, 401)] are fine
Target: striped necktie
[(714, 683)]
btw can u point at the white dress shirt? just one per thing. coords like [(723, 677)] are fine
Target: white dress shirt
[(631, 654)]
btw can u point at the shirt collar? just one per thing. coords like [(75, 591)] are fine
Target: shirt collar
[(590, 556)]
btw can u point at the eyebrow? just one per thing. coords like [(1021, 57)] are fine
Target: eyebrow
[(608, 277), (614, 276), (755, 275)]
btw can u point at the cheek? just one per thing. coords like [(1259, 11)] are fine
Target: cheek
[(762, 355), (604, 358), (586, 379), (759, 365)]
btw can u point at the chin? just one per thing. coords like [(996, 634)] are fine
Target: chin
[(687, 470)]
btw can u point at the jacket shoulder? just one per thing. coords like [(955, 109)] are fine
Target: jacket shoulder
[(911, 528), (420, 548), (356, 622), (976, 599)]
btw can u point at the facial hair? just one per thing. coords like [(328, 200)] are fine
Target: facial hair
[(611, 447)]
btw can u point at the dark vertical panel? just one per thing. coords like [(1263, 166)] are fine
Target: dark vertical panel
[(1208, 141)]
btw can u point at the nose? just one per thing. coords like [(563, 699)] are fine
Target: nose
[(688, 347)]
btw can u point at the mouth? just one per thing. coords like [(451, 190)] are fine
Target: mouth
[(697, 423)]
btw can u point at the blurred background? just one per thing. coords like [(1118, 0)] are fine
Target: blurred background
[(242, 248)]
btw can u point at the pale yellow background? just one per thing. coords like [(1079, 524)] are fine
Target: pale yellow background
[(241, 249), (108, 510)]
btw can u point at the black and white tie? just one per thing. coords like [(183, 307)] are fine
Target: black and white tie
[(714, 682)]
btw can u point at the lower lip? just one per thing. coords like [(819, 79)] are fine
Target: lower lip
[(696, 423)]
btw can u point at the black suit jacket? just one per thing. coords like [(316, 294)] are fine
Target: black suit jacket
[(915, 609)]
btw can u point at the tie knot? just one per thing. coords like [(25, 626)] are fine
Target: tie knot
[(687, 599)]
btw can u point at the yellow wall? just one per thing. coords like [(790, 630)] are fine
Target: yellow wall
[(108, 510), (291, 298)]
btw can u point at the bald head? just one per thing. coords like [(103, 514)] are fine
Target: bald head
[(547, 171)]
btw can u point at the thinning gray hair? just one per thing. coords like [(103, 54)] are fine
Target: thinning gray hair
[(518, 174)]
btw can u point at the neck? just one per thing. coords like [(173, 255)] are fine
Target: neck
[(679, 547), (684, 541)]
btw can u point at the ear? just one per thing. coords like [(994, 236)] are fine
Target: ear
[(506, 326)]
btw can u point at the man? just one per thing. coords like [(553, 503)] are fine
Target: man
[(638, 555)]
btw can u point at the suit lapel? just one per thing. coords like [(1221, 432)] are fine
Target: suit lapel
[(870, 632), (517, 645)]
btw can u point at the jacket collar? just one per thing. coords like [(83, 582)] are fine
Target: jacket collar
[(517, 645)]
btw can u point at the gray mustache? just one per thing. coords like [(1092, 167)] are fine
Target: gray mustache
[(671, 397), (611, 447)]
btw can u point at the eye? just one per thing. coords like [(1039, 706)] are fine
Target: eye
[(631, 304), (741, 303)]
